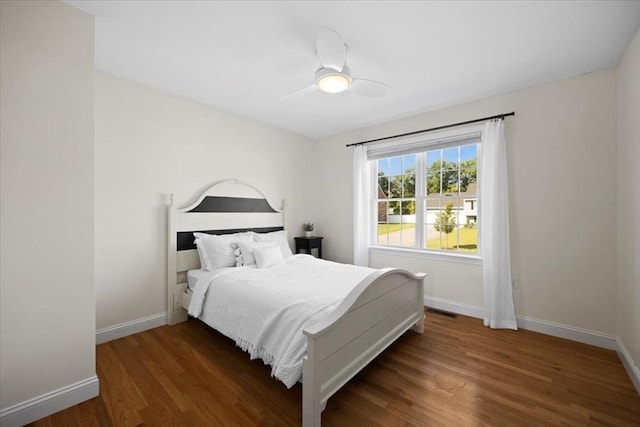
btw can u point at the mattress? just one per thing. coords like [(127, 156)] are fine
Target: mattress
[(193, 276)]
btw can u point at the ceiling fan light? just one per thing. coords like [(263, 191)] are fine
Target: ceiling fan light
[(333, 83)]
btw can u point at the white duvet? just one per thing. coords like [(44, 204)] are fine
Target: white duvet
[(265, 310)]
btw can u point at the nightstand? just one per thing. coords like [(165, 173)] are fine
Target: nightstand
[(306, 245)]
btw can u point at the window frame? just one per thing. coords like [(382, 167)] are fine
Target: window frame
[(414, 145)]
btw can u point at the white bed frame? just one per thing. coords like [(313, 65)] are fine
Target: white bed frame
[(378, 310)]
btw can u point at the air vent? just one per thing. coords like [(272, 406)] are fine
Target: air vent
[(441, 312)]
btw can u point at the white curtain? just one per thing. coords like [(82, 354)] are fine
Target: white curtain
[(361, 206), (494, 229)]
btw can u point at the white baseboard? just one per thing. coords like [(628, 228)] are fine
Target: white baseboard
[(629, 365), (49, 403), (531, 324), (572, 333), (129, 328), (454, 307)]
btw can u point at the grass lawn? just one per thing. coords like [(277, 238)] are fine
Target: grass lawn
[(468, 241), (468, 237), (390, 228)]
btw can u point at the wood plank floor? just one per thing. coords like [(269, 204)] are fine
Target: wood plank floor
[(458, 373)]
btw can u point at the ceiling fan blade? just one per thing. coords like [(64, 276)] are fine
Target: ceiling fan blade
[(330, 49), (299, 92), (369, 88)]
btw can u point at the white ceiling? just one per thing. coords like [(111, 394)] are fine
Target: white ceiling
[(243, 56)]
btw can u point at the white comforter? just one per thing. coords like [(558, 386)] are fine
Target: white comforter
[(265, 310)]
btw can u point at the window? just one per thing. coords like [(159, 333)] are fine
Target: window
[(397, 200), (428, 199)]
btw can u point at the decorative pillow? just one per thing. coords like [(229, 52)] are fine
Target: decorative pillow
[(215, 251), (245, 251), (280, 237), (268, 256)]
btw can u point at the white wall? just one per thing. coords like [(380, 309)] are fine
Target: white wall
[(562, 159), (149, 144), (47, 313), (629, 203)]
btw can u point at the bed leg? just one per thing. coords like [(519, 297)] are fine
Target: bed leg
[(311, 405), (419, 326), (311, 410)]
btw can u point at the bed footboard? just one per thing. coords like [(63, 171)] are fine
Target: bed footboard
[(380, 309)]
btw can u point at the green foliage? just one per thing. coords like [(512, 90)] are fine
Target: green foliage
[(446, 173), (408, 207), (468, 173), (308, 226), (445, 220), (442, 177), (398, 187)]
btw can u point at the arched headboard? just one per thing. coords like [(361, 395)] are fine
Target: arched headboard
[(226, 207)]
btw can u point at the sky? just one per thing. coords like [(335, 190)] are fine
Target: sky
[(399, 165)]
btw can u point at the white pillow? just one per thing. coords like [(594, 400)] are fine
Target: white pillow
[(215, 251), (280, 237), (201, 254), (245, 253), (268, 256)]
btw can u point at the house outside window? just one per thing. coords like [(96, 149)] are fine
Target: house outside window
[(428, 200)]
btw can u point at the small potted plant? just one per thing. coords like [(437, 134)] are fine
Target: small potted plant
[(308, 228)]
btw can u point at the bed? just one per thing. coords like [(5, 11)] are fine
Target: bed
[(378, 307)]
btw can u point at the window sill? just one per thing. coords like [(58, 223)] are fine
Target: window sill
[(428, 255)]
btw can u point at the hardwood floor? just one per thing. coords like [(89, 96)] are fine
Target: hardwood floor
[(458, 373)]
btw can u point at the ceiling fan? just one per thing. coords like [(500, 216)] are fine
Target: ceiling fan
[(334, 76)]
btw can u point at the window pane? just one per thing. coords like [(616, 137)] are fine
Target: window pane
[(468, 168), (450, 157), (450, 182), (410, 208), (407, 235), (432, 237), (383, 234), (383, 167), (394, 209), (409, 164), (468, 179), (396, 223), (383, 187), (468, 220), (433, 157), (395, 187), (453, 226), (383, 209), (432, 208), (395, 166), (383, 228), (468, 239), (444, 225), (468, 152), (433, 184), (409, 185)]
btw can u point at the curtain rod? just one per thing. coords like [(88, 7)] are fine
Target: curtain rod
[(497, 116)]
